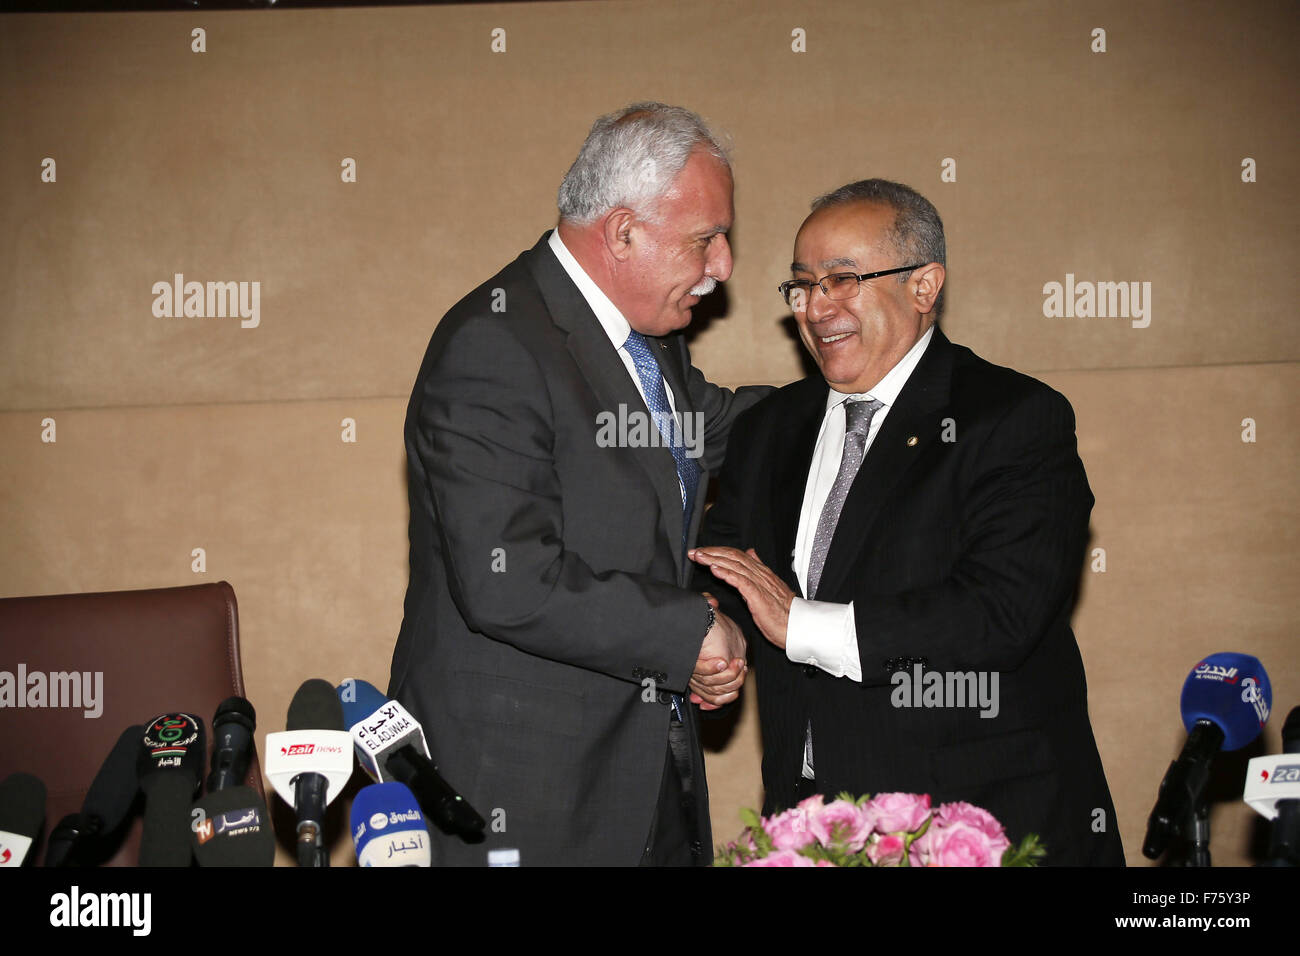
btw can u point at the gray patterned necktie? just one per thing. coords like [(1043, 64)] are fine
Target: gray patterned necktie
[(857, 417), (857, 421)]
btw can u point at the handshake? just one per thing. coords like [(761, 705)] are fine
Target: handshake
[(720, 670)]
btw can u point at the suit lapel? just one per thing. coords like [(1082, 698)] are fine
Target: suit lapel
[(608, 377), (916, 415)]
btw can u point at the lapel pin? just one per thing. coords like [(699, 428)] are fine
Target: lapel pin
[(912, 441)]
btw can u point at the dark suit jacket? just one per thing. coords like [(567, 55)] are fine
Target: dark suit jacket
[(964, 554), (547, 572)]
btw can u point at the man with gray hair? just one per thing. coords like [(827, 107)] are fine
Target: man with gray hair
[(559, 443)]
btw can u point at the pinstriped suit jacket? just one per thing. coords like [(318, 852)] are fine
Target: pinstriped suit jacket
[(960, 545)]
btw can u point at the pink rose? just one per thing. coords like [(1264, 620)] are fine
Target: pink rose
[(789, 830), (816, 801), (957, 844), (811, 807), (972, 816), (783, 858), (843, 823), (885, 850), (899, 812)]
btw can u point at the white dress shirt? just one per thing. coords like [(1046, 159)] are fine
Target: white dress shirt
[(823, 633), (607, 313), (611, 320)]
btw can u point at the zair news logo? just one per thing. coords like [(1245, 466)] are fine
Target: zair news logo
[(1283, 773), (303, 750)]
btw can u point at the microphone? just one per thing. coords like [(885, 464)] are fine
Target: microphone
[(170, 767), (232, 828), (86, 838), (22, 811), (388, 828), (1273, 790), (232, 743), (390, 745), (310, 763), (231, 825), (1225, 704)]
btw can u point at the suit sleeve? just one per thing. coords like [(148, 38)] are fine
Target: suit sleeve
[(720, 408), (1024, 526), (726, 524), (485, 438)]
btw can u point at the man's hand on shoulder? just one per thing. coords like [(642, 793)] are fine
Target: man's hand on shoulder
[(764, 592)]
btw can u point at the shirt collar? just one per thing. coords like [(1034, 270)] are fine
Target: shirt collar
[(886, 391), (610, 318)]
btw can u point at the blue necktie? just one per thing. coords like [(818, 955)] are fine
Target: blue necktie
[(688, 472), (656, 399)]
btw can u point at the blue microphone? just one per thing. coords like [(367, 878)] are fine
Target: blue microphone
[(390, 745), (388, 828), (1225, 703), (1232, 693)]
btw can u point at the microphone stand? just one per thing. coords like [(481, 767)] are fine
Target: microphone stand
[(1181, 812)]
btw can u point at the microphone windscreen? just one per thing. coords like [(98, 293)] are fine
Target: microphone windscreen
[(235, 709), (113, 791), (315, 707), (388, 828), (165, 833), (173, 751), (22, 811), (233, 829), (172, 744), (232, 743), (1233, 692), (359, 700)]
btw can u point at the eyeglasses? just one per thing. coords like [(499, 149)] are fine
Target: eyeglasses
[(839, 285)]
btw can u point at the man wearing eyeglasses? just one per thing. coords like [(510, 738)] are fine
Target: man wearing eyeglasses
[(906, 532)]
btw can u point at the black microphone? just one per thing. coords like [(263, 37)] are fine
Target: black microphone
[(310, 763), (232, 828), (232, 743), (231, 825), (90, 837), (1224, 704), (390, 745), (170, 767), (22, 811)]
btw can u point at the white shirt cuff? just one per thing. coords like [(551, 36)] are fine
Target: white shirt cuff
[(825, 635)]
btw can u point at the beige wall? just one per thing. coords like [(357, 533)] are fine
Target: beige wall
[(174, 434)]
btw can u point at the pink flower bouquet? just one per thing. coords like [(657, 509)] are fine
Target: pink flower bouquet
[(890, 829)]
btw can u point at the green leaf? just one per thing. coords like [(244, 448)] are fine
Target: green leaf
[(1030, 852)]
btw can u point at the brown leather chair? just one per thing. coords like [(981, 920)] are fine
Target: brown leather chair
[(171, 649)]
